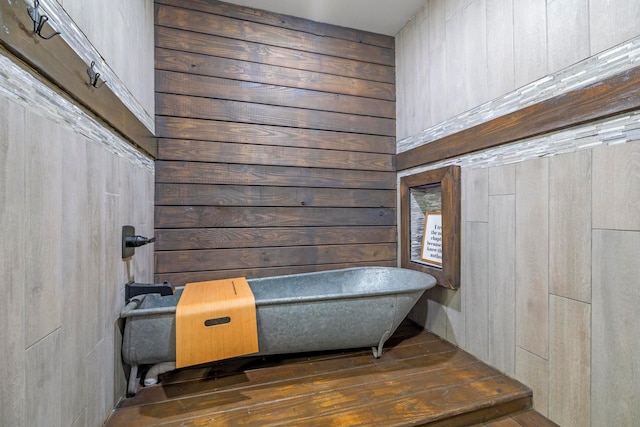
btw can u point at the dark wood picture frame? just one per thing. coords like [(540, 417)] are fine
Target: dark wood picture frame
[(449, 180)]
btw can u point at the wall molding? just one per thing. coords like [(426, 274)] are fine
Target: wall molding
[(75, 38), (22, 87), (59, 64), (621, 129), (590, 71), (612, 96)]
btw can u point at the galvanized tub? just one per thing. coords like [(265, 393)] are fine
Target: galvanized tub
[(336, 309)]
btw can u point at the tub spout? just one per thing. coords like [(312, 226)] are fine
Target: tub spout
[(131, 241), (137, 241)]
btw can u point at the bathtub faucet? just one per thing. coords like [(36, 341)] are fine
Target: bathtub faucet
[(131, 241), (137, 241)]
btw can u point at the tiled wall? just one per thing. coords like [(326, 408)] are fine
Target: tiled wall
[(549, 289), (455, 56), (67, 185), (63, 201), (551, 231)]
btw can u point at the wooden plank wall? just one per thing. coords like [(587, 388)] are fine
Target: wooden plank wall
[(276, 144)]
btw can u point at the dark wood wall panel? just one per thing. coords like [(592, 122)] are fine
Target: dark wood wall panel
[(223, 216), (234, 69), (273, 35), (243, 195), (230, 238), (219, 173), (276, 144), (207, 130), (213, 87), (284, 21), (210, 151), (226, 259), (248, 112), (170, 38)]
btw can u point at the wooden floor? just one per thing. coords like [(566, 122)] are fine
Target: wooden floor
[(528, 418), (420, 380)]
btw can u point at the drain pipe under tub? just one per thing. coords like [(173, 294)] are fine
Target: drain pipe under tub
[(151, 377)]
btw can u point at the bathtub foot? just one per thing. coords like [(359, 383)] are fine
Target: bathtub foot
[(132, 386), (377, 351)]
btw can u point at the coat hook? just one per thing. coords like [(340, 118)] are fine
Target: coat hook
[(94, 76), (39, 20)]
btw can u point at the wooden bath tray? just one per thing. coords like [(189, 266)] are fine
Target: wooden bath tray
[(215, 320)]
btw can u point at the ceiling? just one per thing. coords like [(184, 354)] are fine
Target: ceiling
[(377, 16)]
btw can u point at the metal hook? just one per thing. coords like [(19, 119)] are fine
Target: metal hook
[(39, 20), (94, 76)]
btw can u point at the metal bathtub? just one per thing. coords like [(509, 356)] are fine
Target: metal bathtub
[(328, 310)]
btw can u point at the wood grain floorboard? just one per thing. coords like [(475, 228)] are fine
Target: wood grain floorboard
[(420, 379), (528, 418)]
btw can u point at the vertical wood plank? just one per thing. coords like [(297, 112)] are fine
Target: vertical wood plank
[(452, 7), (429, 313), (476, 198), (43, 215), (569, 361), (436, 311), (116, 276), (42, 399), (456, 316), (532, 256), (438, 77), (422, 53), (77, 324), (616, 187), (406, 59), (570, 225), (533, 371), (81, 420), (612, 22), (147, 207), (454, 102), (501, 291), (476, 289), (12, 263), (474, 24), (500, 55), (100, 359), (615, 340), (530, 40), (502, 180), (440, 312), (567, 33), (96, 272)]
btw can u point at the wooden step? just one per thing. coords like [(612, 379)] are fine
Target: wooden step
[(528, 418), (420, 380)]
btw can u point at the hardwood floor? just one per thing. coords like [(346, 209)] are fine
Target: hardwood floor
[(419, 380), (528, 418)]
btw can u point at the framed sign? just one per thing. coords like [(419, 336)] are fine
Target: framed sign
[(433, 246), (431, 251)]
